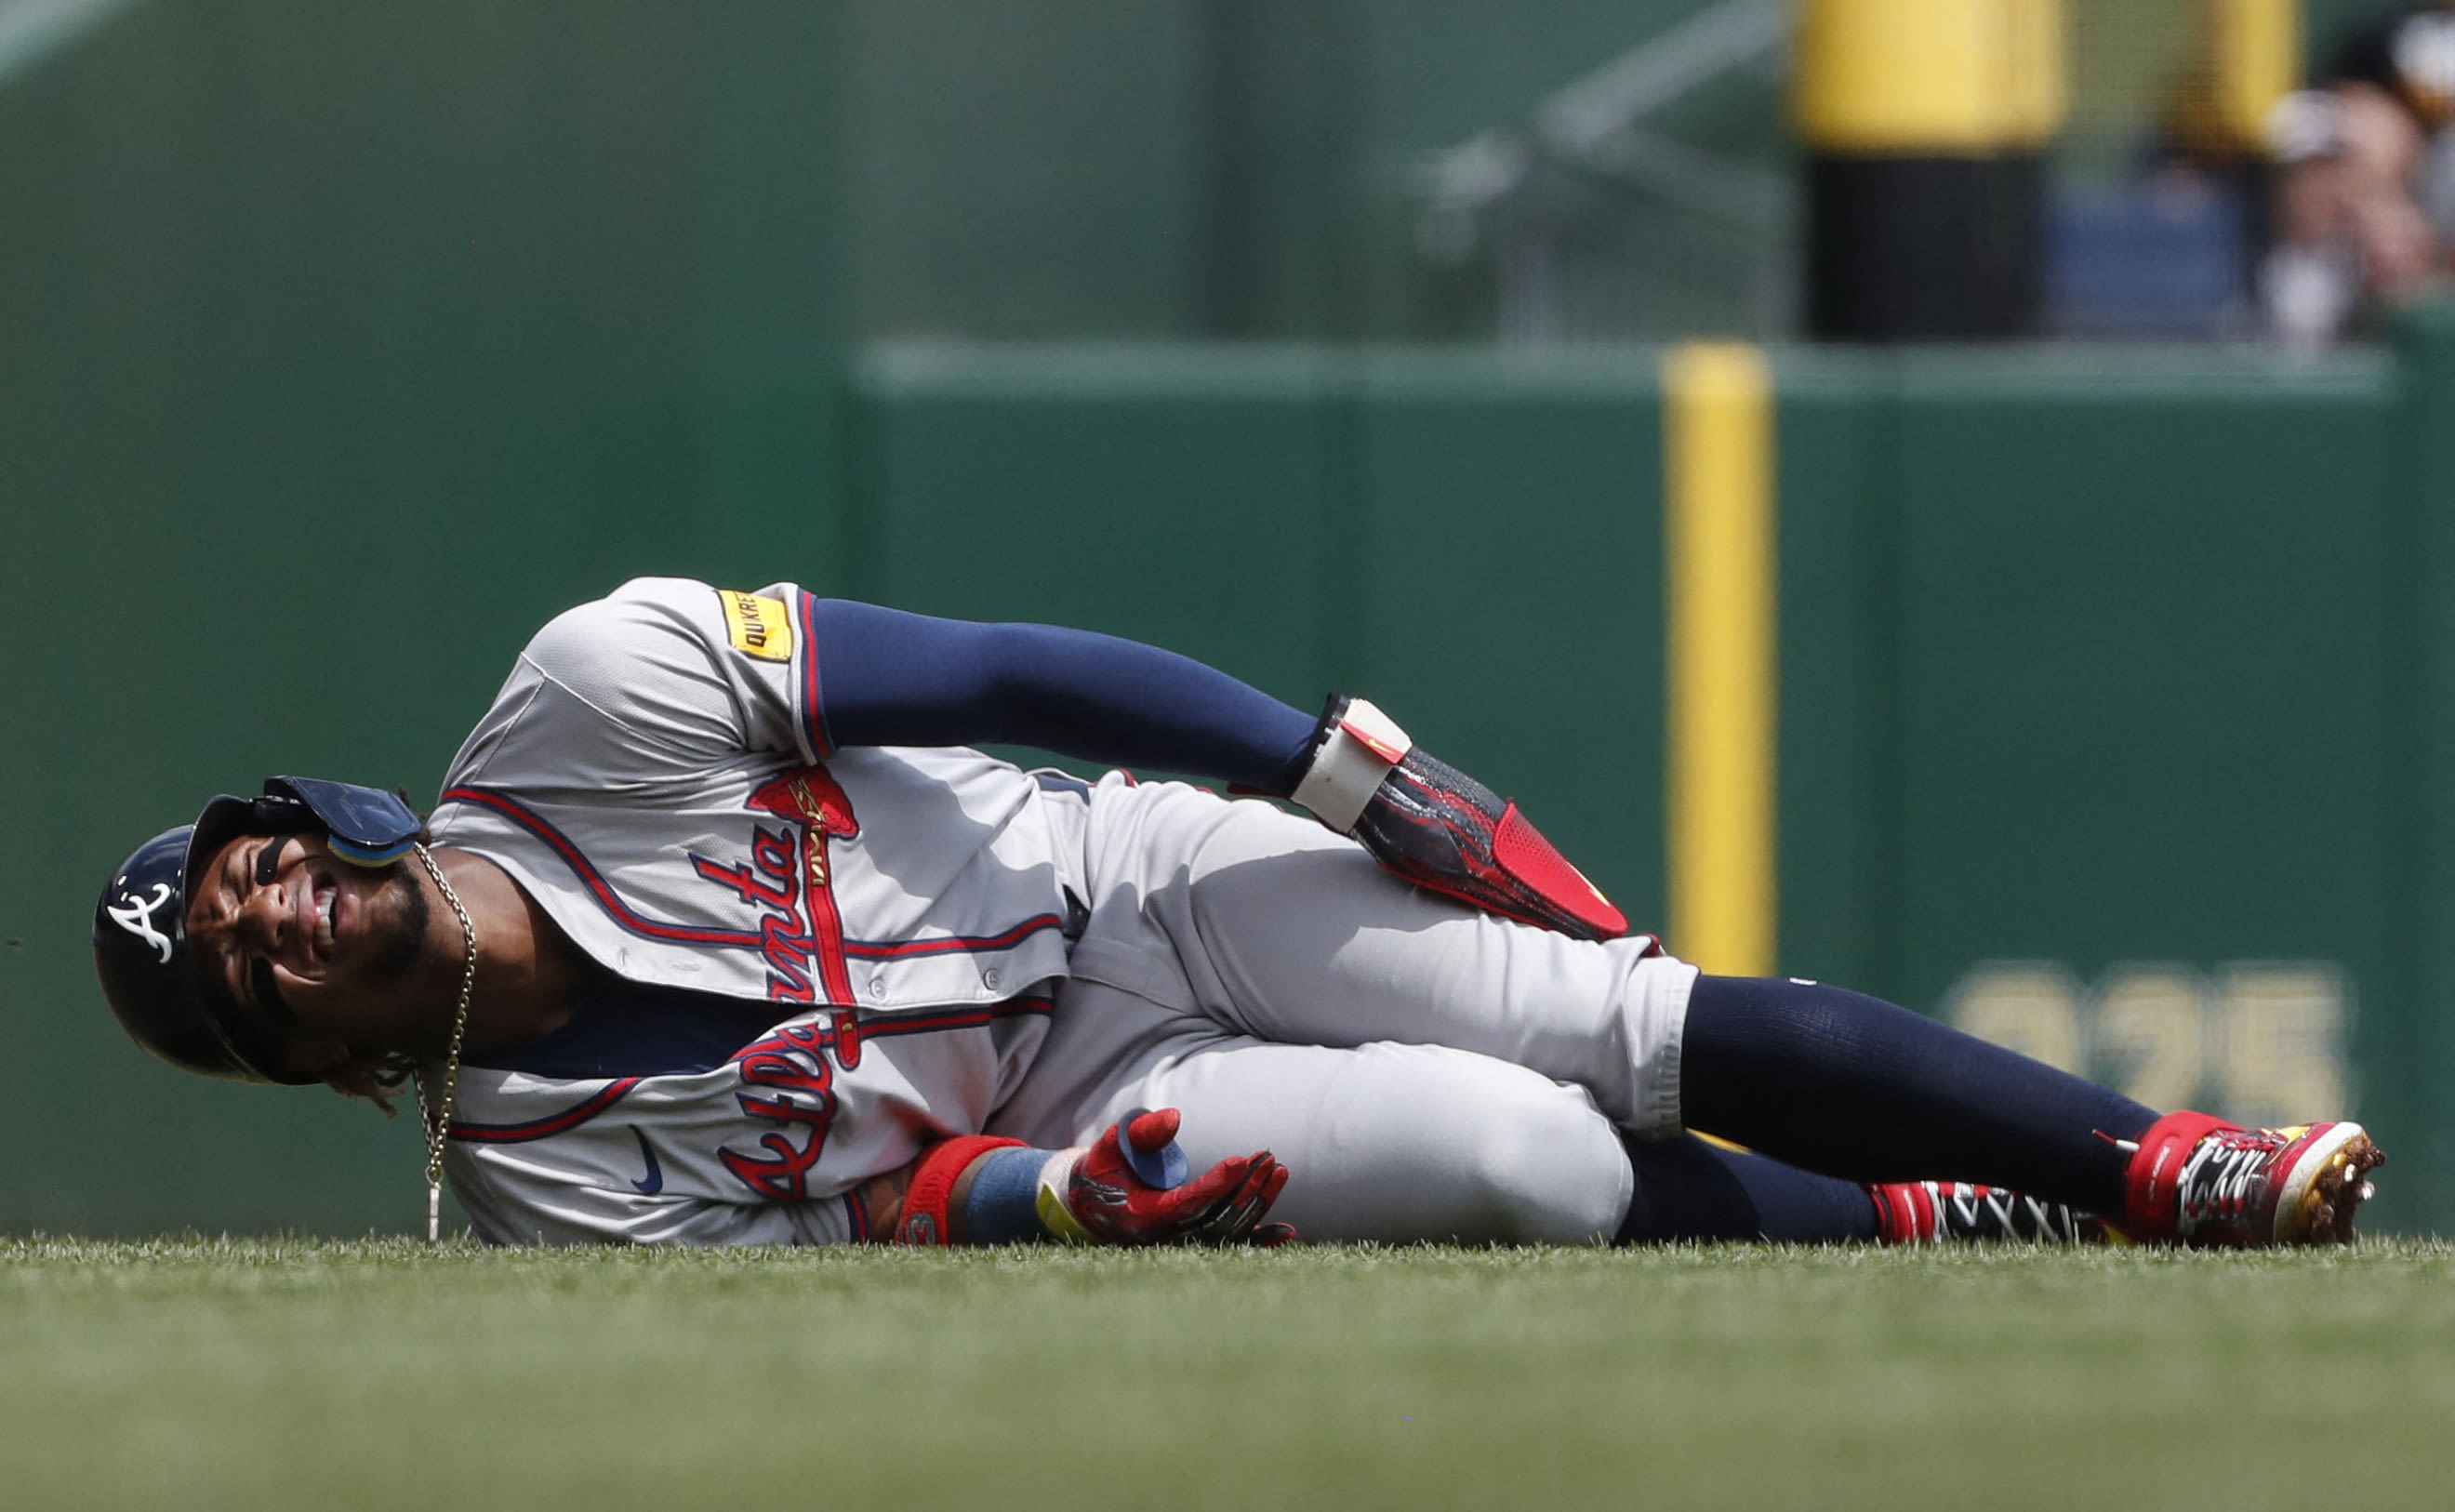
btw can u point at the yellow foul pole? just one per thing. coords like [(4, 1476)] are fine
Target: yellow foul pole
[(1720, 585)]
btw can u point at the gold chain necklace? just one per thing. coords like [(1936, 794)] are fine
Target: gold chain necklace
[(437, 1116)]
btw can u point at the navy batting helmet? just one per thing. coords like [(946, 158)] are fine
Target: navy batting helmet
[(140, 927)]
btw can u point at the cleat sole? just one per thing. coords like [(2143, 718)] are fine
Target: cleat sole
[(2326, 1187)]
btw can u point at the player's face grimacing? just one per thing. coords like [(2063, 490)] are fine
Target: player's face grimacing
[(315, 951)]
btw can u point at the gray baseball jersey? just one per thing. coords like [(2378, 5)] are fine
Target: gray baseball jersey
[(656, 773)]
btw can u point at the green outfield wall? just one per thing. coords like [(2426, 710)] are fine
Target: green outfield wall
[(2094, 697), (338, 349), (339, 346), (2116, 690)]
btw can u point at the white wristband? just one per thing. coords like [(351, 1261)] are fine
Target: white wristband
[(1346, 772)]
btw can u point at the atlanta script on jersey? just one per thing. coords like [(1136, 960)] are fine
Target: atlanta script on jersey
[(657, 775)]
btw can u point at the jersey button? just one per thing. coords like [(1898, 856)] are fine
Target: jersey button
[(878, 985), (990, 979)]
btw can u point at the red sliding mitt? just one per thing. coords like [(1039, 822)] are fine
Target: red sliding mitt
[(1439, 828)]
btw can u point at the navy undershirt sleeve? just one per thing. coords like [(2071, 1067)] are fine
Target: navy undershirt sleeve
[(887, 678)]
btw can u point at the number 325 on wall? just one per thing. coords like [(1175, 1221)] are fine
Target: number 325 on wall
[(2260, 1042)]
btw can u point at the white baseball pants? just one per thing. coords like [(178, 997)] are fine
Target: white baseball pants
[(1425, 1071)]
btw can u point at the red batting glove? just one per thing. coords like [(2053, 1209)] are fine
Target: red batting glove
[(1224, 1205)]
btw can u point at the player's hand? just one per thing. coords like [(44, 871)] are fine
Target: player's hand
[(1114, 1190)]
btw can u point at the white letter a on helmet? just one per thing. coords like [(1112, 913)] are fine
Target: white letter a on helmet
[(136, 917)]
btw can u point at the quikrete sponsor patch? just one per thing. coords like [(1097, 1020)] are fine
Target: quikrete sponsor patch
[(758, 627)]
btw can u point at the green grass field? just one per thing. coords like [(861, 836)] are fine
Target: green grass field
[(377, 1374)]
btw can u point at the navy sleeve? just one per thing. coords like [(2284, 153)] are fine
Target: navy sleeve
[(887, 678)]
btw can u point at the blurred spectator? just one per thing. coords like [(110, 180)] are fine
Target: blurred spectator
[(2364, 200)]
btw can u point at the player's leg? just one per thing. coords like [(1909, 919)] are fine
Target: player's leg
[(1385, 1142), (1688, 1188), (1287, 934), (1402, 1142), (1853, 1086), (1284, 933)]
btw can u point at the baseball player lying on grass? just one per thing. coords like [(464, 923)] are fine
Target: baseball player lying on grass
[(723, 937)]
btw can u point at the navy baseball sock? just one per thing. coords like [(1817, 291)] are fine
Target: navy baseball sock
[(1687, 1189), (1852, 1086)]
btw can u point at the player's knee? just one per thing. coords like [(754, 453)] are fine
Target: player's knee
[(1554, 1173), (1421, 1143)]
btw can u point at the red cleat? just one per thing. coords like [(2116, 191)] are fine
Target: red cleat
[(2201, 1181)]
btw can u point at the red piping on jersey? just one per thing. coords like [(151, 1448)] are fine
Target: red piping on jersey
[(552, 1123), (639, 924), (946, 944), (878, 1026), (624, 915)]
